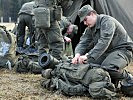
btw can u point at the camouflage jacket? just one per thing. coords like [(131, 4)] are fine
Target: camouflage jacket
[(107, 35)]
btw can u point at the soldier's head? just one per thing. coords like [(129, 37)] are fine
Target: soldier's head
[(88, 15), (72, 29)]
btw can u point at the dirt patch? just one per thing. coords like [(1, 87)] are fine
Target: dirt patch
[(14, 86)]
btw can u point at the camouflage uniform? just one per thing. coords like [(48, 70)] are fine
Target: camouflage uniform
[(107, 44), (51, 36), (25, 19), (64, 24)]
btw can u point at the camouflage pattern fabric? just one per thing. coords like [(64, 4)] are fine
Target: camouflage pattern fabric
[(51, 35), (26, 64), (81, 79)]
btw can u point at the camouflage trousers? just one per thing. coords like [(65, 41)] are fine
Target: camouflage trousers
[(116, 60), (52, 39), (24, 20)]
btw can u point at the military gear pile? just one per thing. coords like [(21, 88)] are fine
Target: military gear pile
[(25, 65), (81, 79), (7, 48)]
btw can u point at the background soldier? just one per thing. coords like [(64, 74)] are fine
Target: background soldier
[(68, 30), (25, 19)]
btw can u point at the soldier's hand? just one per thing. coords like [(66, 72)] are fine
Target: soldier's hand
[(75, 60), (67, 39), (83, 59)]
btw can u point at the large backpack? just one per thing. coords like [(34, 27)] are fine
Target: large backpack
[(82, 79), (7, 48), (28, 64), (42, 17), (46, 11)]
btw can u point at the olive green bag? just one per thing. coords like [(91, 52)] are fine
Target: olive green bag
[(7, 48), (27, 64), (42, 17), (83, 79)]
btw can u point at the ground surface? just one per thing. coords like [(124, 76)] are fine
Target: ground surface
[(14, 86)]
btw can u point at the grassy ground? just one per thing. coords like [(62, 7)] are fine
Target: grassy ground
[(14, 86)]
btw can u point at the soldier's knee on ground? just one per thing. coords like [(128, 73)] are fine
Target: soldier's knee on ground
[(119, 74)]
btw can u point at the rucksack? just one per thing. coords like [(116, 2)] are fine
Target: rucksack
[(27, 64), (46, 11), (7, 48), (81, 79), (42, 17)]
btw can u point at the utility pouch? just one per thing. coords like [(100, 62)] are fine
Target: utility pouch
[(58, 13), (71, 89), (42, 17)]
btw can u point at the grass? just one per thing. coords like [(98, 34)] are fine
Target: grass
[(15, 86)]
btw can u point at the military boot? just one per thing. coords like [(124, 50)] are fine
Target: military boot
[(127, 86)]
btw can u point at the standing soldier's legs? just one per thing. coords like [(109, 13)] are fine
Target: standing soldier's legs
[(29, 23), (42, 41), (56, 43), (21, 31)]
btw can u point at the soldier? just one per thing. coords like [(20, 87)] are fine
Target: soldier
[(52, 32), (25, 19), (104, 42), (48, 28), (68, 31)]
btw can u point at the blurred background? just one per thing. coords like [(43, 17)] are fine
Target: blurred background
[(9, 9)]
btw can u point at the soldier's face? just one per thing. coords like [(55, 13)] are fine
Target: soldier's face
[(70, 29), (90, 20)]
